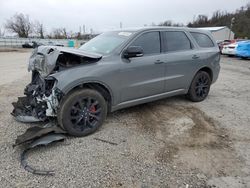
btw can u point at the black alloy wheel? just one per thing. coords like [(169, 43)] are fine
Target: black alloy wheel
[(200, 87), (82, 112)]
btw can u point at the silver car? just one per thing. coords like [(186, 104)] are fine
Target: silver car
[(115, 70)]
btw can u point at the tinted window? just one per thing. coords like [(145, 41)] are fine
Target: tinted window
[(176, 41), (203, 40), (150, 42)]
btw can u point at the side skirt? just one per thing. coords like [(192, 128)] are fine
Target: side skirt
[(148, 99)]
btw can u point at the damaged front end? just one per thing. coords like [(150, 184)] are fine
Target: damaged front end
[(40, 101), (42, 97)]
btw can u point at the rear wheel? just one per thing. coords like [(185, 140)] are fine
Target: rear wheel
[(200, 87), (82, 112)]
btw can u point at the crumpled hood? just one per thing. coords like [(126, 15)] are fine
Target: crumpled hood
[(43, 59)]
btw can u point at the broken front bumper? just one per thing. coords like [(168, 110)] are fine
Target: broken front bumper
[(40, 101)]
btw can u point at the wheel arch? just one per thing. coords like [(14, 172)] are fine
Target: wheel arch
[(102, 88), (208, 70)]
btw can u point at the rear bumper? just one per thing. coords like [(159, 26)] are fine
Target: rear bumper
[(229, 52)]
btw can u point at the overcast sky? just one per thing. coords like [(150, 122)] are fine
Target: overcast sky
[(102, 15)]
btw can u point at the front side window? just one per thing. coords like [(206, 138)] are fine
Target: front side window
[(202, 40), (150, 43), (177, 41)]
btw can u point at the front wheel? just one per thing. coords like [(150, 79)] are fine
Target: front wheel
[(82, 112), (200, 87)]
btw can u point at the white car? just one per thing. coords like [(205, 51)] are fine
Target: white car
[(229, 49)]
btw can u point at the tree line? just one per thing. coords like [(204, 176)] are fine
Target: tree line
[(21, 25), (238, 20)]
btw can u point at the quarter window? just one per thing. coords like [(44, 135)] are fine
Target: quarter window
[(150, 42), (203, 40), (177, 41)]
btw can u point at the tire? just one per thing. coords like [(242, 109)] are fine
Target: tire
[(82, 112), (199, 87)]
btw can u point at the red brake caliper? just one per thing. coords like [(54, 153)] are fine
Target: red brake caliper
[(92, 109)]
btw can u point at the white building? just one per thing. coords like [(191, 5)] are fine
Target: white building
[(219, 33)]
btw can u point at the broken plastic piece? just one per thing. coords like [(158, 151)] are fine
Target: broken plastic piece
[(27, 119), (38, 142), (31, 169), (23, 111), (45, 140), (36, 132)]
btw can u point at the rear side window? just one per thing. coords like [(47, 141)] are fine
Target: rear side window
[(150, 42), (177, 41), (203, 40)]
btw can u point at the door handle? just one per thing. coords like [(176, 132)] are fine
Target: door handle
[(158, 62), (195, 57)]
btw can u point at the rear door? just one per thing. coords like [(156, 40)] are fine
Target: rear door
[(143, 76), (181, 59)]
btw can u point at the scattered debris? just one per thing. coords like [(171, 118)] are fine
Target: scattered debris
[(106, 141)]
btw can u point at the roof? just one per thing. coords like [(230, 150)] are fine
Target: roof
[(148, 28), (213, 28)]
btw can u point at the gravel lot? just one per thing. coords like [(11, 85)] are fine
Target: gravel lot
[(168, 143)]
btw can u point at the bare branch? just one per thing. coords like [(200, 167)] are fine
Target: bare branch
[(39, 29), (19, 24), (60, 33)]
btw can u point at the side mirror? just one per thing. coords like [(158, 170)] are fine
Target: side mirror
[(133, 51)]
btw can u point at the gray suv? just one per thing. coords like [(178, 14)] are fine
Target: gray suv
[(115, 70)]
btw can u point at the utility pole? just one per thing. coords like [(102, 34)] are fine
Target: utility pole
[(83, 29), (120, 25), (231, 26)]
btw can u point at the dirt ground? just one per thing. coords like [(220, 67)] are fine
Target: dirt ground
[(168, 143)]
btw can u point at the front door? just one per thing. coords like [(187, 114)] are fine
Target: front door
[(143, 76)]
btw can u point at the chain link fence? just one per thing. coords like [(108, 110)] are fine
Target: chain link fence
[(10, 42)]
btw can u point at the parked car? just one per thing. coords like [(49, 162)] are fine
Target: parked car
[(243, 49), (50, 43), (28, 45), (229, 49), (230, 46), (32, 44), (115, 70), (223, 43)]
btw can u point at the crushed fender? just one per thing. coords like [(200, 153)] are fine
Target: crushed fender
[(39, 142)]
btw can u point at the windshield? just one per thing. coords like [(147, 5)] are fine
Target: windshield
[(106, 42)]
